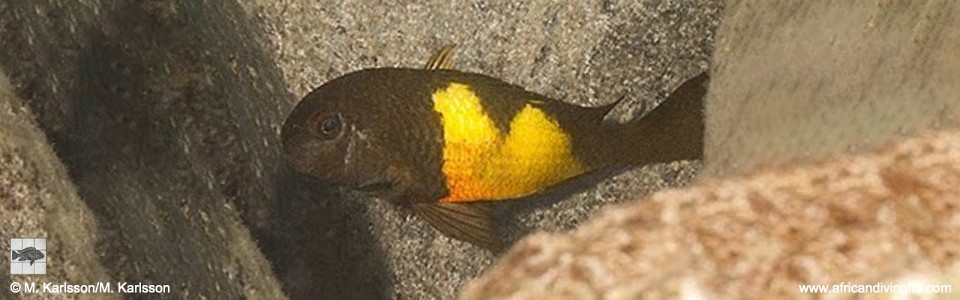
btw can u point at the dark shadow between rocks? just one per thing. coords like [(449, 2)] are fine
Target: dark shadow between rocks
[(168, 124), (322, 243)]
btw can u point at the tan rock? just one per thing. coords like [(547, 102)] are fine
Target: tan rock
[(892, 216)]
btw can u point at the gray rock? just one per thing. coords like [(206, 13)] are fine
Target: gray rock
[(37, 199), (166, 114), (796, 81), (162, 113), (585, 52)]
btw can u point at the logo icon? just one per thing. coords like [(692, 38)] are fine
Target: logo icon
[(28, 256)]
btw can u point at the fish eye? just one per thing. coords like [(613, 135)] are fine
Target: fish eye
[(329, 126)]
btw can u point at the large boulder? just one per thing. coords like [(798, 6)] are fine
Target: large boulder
[(38, 200), (161, 112), (798, 81)]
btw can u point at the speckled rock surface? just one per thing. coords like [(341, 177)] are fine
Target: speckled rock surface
[(166, 115), (161, 112), (37, 199), (585, 52)]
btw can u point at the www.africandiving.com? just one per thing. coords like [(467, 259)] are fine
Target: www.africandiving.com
[(94, 288), (877, 288)]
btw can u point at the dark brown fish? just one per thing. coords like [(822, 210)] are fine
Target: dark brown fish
[(445, 141)]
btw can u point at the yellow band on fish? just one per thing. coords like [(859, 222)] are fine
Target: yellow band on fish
[(480, 163)]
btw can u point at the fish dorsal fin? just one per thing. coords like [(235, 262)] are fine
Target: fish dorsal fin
[(442, 60), (693, 88), (607, 108), (466, 222)]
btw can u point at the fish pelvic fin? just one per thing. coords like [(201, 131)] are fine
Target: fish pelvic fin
[(466, 222), (442, 60)]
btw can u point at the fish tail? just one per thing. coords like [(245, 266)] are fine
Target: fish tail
[(15, 254), (674, 129)]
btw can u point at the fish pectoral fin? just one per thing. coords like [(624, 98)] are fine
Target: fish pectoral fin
[(442, 60), (466, 222)]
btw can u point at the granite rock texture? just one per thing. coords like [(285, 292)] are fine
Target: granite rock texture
[(161, 112), (37, 199), (584, 52), (166, 114)]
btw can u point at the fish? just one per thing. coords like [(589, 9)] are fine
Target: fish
[(28, 253), (449, 143)]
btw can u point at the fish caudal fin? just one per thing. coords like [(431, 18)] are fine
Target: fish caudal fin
[(15, 254), (674, 129), (467, 222)]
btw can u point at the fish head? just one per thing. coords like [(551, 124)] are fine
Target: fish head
[(337, 135)]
